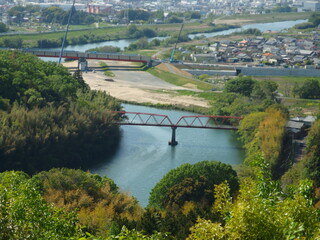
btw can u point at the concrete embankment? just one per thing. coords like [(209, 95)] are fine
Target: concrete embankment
[(259, 71)]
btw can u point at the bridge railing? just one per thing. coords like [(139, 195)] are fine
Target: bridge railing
[(198, 121)]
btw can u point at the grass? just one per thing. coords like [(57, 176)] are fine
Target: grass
[(271, 17), (286, 83), (178, 80), (105, 68)]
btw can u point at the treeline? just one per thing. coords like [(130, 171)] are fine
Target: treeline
[(242, 96), (313, 21), (52, 15), (202, 201), (148, 17), (50, 118)]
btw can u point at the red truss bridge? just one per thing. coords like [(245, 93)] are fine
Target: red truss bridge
[(160, 120)]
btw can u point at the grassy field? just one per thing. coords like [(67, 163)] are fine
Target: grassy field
[(179, 80), (285, 84), (271, 17)]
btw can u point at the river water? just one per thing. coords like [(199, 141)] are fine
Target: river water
[(144, 155), (275, 26)]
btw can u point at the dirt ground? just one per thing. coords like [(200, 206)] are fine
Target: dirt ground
[(130, 84)]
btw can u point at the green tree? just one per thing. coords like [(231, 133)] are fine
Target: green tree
[(313, 153), (202, 175), (3, 27), (310, 89), (25, 214), (242, 85), (254, 217), (315, 18)]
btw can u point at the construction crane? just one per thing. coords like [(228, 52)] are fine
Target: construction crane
[(66, 32), (175, 46)]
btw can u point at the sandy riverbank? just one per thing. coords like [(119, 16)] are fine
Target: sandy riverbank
[(130, 84)]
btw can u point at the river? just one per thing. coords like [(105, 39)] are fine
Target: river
[(275, 26), (144, 155)]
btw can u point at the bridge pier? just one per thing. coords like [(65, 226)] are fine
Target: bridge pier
[(173, 141), (82, 64)]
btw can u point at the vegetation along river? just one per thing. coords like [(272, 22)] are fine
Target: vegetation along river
[(275, 26), (144, 155)]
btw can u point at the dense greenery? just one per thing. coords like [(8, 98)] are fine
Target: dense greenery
[(264, 133), (96, 199), (261, 214), (52, 15), (3, 27), (309, 89), (313, 153), (51, 118), (25, 214), (191, 183), (243, 95)]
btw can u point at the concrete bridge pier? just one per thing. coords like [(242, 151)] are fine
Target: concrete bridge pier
[(82, 64), (173, 141)]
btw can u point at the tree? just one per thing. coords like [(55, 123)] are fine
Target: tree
[(24, 213), (202, 176), (315, 19), (174, 19), (313, 153), (253, 216), (310, 89), (242, 85), (3, 27), (95, 198)]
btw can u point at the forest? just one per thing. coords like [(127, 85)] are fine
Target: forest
[(52, 125)]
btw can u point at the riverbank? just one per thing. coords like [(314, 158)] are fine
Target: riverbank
[(135, 86)]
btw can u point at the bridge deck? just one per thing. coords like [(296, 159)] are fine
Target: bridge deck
[(89, 55), (198, 121)]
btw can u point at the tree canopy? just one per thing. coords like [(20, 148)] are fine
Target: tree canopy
[(191, 183)]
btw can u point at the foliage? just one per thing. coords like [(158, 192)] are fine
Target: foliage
[(235, 104), (315, 19), (191, 183), (310, 89), (52, 117), (242, 85), (249, 126), (253, 216), (304, 25), (27, 80), (12, 43), (3, 27), (58, 15), (69, 135), (264, 132), (313, 153), (283, 8), (127, 234), (134, 32), (24, 213), (252, 31), (96, 198), (174, 19)]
